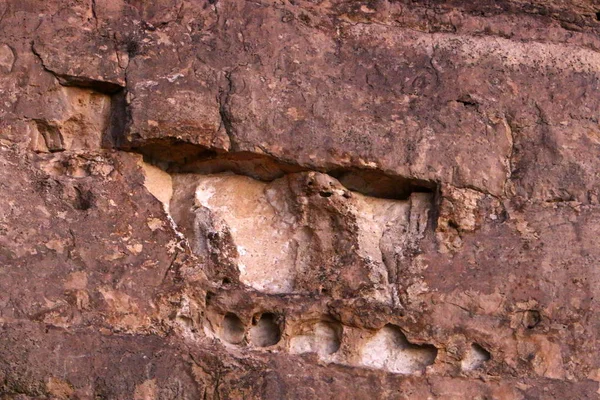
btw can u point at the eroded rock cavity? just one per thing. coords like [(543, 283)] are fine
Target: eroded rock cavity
[(265, 330), (389, 349), (320, 337), (474, 358), (304, 232)]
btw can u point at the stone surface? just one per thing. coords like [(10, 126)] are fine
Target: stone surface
[(299, 199), (303, 233)]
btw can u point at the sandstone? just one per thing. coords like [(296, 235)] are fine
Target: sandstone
[(7, 58), (299, 199)]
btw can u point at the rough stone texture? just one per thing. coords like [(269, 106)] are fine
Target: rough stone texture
[(218, 199)]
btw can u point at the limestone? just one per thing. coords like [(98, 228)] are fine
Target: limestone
[(321, 337), (281, 236), (388, 349), (158, 182)]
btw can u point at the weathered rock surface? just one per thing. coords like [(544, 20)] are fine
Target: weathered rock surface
[(299, 199)]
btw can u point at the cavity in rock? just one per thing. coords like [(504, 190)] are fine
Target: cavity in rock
[(323, 338), (389, 350), (265, 332), (474, 357), (233, 329)]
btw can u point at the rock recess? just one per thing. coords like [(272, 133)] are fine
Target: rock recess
[(299, 199)]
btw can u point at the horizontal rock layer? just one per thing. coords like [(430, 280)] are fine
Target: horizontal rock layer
[(299, 199)]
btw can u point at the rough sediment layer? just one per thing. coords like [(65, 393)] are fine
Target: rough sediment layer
[(299, 199)]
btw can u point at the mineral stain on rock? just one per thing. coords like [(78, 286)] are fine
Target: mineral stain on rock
[(7, 58)]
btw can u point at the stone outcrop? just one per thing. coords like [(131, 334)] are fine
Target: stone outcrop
[(221, 199)]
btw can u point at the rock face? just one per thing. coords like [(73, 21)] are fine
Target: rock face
[(299, 199)]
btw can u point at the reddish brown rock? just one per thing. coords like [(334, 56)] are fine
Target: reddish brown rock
[(299, 199)]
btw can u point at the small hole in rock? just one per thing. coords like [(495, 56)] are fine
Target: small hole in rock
[(597, 15), (132, 47), (475, 357), (531, 319), (185, 321), (377, 184), (390, 350), (225, 281), (233, 329), (265, 332), (324, 193), (84, 200), (467, 101), (323, 338), (304, 18), (209, 296)]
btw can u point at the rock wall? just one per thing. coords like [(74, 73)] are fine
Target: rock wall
[(299, 199)]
